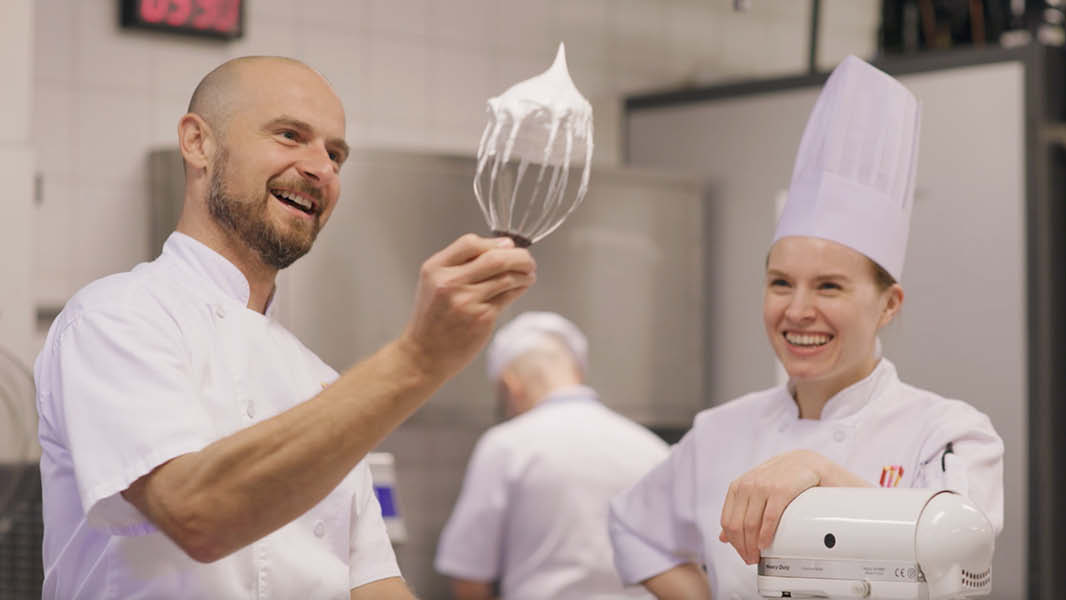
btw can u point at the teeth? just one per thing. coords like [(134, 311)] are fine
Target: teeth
[(812, 339), (295, 199)]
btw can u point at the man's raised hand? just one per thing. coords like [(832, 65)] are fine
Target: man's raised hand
[(461, 291)]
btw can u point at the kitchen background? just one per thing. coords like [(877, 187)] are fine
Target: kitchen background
[(86, 103)]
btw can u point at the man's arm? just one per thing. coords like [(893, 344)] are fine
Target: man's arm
[(468, 589), (245, 486), (392, 588)]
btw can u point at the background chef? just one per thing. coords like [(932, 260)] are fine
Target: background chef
[(532, 513)]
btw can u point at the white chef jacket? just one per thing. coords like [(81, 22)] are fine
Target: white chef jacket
[(533, 509), (875, 428), (144, 366)]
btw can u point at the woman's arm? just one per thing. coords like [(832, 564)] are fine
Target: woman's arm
[(683, 582), (468, 589)]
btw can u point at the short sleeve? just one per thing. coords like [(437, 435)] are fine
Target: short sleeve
[(471, 543), (372, 557), (653, 525), (965, 454), (121, 381)]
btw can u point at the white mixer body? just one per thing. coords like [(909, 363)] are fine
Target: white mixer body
[(878, 543)]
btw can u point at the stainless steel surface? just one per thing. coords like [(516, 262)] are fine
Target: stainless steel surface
[(626, 267), (166, 180)]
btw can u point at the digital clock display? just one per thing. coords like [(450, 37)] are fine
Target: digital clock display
[(213, 18)]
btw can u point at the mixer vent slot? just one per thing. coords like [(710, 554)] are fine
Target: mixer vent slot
[(976, 580)]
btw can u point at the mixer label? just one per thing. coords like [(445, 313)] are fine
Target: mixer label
[(868, 570)]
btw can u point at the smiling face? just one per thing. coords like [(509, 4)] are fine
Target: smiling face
[(822, 309), (274, 178)]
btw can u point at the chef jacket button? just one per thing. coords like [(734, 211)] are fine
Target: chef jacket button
[(320, 529), (220, 312), (250, 411), (839, 435)]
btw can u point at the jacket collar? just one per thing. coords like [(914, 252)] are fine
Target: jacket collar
[(570, 394), (222, 276), (852, 399)]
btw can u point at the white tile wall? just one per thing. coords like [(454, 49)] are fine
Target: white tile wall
[(16, 58), (54, 259), (268, 37), (53, 41), (347, 18), (104, 57), (847, 27), (398, 80), (584, 26), (463, 23), (17, 49), (412, 73), (104, 212), (52, 123), (16, 304), (400, 18), (112, 130), (178, 64), (281, 11), (693, 40), (523, 27), (637, 37), (459, 82), (345, 62)]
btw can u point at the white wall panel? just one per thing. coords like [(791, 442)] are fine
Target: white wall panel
[(16, 248), (16, 59), (16, 171)]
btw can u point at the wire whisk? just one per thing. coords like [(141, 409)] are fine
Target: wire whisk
[(539, 131)]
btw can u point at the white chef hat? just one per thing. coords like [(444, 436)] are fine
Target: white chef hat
[(853, 182), (528, 331)]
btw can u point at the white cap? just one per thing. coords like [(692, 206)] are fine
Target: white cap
[(854, 177), (528, 331)]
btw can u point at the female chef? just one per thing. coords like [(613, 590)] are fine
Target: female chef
[(844, 418)]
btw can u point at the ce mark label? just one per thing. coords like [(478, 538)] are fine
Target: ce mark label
[(907, 573)]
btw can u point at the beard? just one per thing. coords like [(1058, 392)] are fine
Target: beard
[(249, 219)]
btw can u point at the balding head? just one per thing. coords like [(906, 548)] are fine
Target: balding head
[(222, 91), (548, 362), (544, 367)]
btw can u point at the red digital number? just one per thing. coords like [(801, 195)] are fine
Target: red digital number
[(220, 15), (208, 14), (228, 15), (180, 11), (153, 11)]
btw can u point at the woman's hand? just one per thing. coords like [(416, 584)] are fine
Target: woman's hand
[(756, 500)]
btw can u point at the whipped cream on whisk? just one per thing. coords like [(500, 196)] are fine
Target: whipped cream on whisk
[(544, 121)]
